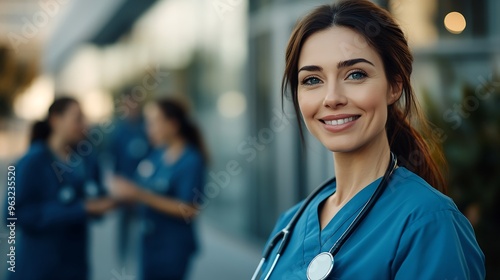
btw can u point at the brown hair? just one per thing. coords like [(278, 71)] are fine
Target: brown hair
[(425, 158), (41, 130), (174, 110)]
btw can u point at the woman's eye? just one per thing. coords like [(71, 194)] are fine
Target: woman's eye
[(357, 75), (311, 81)]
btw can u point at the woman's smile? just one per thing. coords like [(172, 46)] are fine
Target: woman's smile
[(343, 99), (339, 123)]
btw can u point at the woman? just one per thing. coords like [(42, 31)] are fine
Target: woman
[(348, 67), (166, 185), (57, 190)]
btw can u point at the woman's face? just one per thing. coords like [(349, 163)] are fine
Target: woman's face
[(70, 125), (343, 92), (161, 130)]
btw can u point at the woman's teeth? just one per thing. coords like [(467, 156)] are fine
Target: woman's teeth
[(340, 121)]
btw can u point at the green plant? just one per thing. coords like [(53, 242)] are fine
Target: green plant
[(470, 129)]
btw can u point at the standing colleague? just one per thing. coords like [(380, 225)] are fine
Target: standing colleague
[(57, 191), (386, 215), (128, 145), (166, 185)]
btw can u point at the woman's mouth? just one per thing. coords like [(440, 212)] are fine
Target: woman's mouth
[(339, 123)]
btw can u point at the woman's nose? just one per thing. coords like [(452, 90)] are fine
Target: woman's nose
[(334, 96)]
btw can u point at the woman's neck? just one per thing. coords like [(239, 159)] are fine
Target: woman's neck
[(174, 149), (355, 170), (58, 146)]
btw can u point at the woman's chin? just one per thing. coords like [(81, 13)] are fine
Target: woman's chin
[(339, 147)]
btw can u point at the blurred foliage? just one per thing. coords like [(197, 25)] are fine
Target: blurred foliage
[(470, 129), (15, 76)]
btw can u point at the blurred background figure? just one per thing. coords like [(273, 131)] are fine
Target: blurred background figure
[(168, 184), (227, 58), (127, 146), (58, 188), (129, 143)]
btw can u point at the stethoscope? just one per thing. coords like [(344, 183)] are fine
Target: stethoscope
[(321, 265), (75, 189)]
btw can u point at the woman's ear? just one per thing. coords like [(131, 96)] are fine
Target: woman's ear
[(395, 91)]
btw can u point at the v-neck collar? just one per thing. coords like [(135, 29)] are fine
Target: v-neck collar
[(317, 240)]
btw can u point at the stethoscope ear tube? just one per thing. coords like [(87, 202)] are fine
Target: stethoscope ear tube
[(259, 267), (284, 233), (367, 207)]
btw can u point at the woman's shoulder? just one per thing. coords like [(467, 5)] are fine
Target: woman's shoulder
[(287, 216), (37, 154), (191, 157), (415, 199)]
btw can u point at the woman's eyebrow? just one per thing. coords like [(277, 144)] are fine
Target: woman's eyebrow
[(341, 64), (351, 62), (311, 68)]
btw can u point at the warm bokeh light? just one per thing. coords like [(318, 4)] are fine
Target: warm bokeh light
[(455, 22), (231, 104), (96, 105), (33, 103), (417, 20)]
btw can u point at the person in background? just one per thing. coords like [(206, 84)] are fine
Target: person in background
[(165, 186), (57, 190), (128, 145), (129, 142)]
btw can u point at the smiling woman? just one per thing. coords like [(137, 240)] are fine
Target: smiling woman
[(385, 215)]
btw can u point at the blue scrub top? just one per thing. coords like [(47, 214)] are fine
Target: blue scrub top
[(51, 226), (128, 146), (412, 232), (169, 242)]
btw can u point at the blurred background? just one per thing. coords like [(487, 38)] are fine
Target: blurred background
[(226, 57)]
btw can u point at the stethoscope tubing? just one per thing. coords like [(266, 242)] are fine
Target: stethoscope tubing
[(283, 235)]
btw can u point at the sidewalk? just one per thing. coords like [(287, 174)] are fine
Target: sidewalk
[(221, 257)]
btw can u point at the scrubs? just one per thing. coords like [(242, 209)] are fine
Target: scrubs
[(169, 242), (412, 232), (51, 226), (128, 146)]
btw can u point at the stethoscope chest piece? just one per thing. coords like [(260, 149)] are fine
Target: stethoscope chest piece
[(66, 194), (320, 267)]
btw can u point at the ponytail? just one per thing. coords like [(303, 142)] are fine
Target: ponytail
[(40, 131), (407, 130), (187, 128), (192, 134), (423, 157)]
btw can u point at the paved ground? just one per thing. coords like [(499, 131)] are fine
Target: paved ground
[(221, 258)]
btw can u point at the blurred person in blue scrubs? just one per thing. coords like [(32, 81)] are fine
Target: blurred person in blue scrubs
[(129, 142), (58, 188), (166, 186), (127, 146), (348, 68)]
